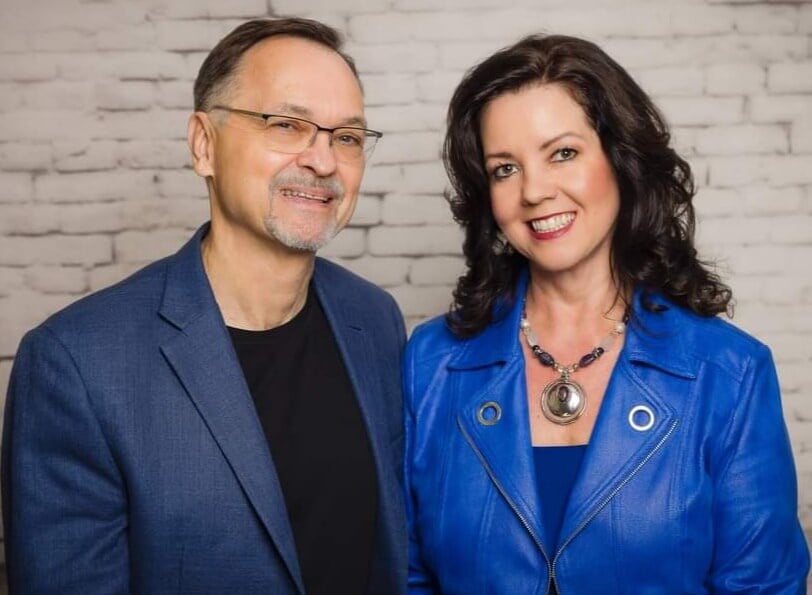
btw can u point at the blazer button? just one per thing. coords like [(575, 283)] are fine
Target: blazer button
[(489, 413)]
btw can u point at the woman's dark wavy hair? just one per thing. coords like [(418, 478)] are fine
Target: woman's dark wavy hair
[(653, 241)]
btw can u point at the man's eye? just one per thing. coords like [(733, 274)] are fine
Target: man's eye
[(503, 171), (349, 139), (564, 154), (285, 125)]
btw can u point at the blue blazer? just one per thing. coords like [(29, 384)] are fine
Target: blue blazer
[(687, 485), (133, 458)]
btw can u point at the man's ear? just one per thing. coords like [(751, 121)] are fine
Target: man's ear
[(200, 136)]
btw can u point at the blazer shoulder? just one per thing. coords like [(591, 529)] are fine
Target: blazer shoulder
[(432, 341), (123, 304)]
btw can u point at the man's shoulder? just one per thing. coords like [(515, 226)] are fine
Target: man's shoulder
[(126, 302)]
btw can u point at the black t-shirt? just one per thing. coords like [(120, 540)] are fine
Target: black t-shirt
[(319, 444)]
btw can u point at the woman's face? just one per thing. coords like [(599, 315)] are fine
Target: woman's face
[(553, 191)]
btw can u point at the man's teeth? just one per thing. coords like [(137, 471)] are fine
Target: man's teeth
[(300, 194), (552, 223)]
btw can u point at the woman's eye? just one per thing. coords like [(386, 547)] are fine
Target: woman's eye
[(564, 154), (503, 171)]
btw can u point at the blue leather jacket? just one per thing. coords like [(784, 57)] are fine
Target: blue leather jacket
[(703, 501)]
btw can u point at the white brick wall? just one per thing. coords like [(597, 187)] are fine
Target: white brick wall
[(95, 178)]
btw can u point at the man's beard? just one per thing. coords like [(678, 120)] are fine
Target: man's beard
[(288, 233)]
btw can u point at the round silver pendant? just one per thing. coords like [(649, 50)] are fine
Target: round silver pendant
[(563, 401)]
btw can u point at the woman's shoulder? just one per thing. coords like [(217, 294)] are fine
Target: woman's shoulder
[(432, 339)]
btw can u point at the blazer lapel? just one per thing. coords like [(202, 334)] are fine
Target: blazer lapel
[(205, 362)]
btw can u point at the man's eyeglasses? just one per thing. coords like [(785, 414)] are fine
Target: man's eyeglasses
[(289, 134)]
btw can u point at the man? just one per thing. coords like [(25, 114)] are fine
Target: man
[(228, 419)]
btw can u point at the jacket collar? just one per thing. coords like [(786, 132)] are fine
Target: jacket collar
[(653, 338)]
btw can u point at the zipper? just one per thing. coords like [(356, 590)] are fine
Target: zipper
[(550, 567), (611, 495)]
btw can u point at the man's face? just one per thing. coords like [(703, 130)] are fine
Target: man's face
[(302, 200)]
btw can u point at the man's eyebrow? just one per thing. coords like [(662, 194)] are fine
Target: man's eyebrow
[(304, 112)]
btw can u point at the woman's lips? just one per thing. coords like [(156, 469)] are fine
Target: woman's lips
[(548, 228)]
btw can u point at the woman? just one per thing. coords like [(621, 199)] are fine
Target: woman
[(581, 421)]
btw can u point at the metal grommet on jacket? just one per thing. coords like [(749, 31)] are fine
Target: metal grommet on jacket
[(638, 411), (489, 413)]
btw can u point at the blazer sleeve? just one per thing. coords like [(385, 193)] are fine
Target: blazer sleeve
[(64, 502), (420, 580), (759, 544)]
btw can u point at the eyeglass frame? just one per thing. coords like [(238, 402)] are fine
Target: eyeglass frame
[(368, 132)]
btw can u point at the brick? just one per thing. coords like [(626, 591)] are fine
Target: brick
[(367, 211), (790, 77), (407, 118), (139, 37), (691, 111), (155, 154), (58, 96), (12, 279), (93, 186), (61, 41), (84, 156), (713, 202), (426, 5), (742, 139), (180, 183), (57, 279), (24, 156), (28, 67), (175, 94), (379, 179), (13, 42), (768, 259), (15, 187), (422, 301), (104, 276), (424, 178), (784, 291), (46, 125), (124, 95), (695, 20), (780, 108), (147, 65), (440, 270), (147, 246), (438, 87), (382, 271), (401, 209), (795, 229), (189, 35), (211, 9), (805, 20), (733, 231), (683, 140), (348, 243), (28, 219), (387, 89), (23, 311), (408, 147), (462, 55), (763, 200), (380, 28), (146, 125), (10, 97), (790, 170), (284, 7), (738, 171), (766, 19), (415, 241), (5, 374), (388, 58), (83, 250), (670, 81), (735, 78), (801, 136)]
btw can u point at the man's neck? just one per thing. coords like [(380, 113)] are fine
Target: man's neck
[(258, 283)]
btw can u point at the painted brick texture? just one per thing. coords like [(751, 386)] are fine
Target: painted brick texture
[(95, 176)]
